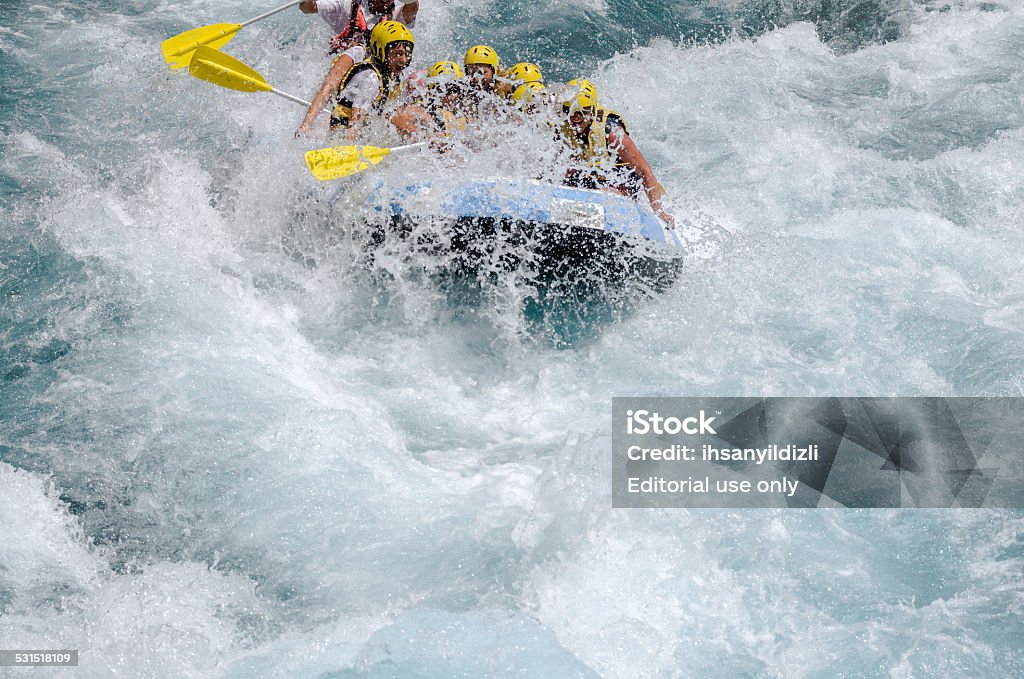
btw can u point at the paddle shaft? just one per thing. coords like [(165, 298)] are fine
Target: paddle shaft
[(408, 146), (219, 32), (224, 70), (291, 97), (271, 13)]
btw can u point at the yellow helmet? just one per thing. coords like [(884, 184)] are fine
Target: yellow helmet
[(481, 54), (387, 33), (525, 72), (449, 68), (527, 91), (580, 93)]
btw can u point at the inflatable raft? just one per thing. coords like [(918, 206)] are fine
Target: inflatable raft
[(559, 232)]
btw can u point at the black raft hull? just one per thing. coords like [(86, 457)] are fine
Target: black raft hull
[(553, 235)]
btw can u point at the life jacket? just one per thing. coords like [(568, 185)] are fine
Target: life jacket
[(596, 152), (357, 32), (389, 91), (447, 122)]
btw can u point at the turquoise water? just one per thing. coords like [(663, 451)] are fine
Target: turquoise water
[(226, 453)]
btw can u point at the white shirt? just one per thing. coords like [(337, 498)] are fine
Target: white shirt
[(338, 12), (356, 53), (362, 89)]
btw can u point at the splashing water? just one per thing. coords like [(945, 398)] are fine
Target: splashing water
[(226, 448)]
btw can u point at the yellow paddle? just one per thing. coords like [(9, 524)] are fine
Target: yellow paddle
[(341, 161), (328, 163), (179, 49), (223, 69)]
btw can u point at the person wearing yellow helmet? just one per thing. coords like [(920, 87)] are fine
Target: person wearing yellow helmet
[(442, 69), (439, 112), (598, 139), (446, 89), (527, 96), (481, 63), (352, 22), (422, 85), (579, 94), (522, 73), (527, 91), (447, 102), (525, 72), (373, 84)]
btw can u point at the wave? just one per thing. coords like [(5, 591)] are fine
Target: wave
[(221, 445)]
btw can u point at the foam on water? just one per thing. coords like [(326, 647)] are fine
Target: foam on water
[(225, 446)]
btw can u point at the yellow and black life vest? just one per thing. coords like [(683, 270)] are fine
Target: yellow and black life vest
[(389, 91), (447, 122), (596, 152)]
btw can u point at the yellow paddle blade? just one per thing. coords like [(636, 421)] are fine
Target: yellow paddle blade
[(178, 50), (341, 161), (222, 69)]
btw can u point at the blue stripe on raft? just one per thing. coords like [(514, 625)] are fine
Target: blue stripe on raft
[(538, 202)]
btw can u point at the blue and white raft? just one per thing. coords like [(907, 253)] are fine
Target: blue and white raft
[(561, 233)]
